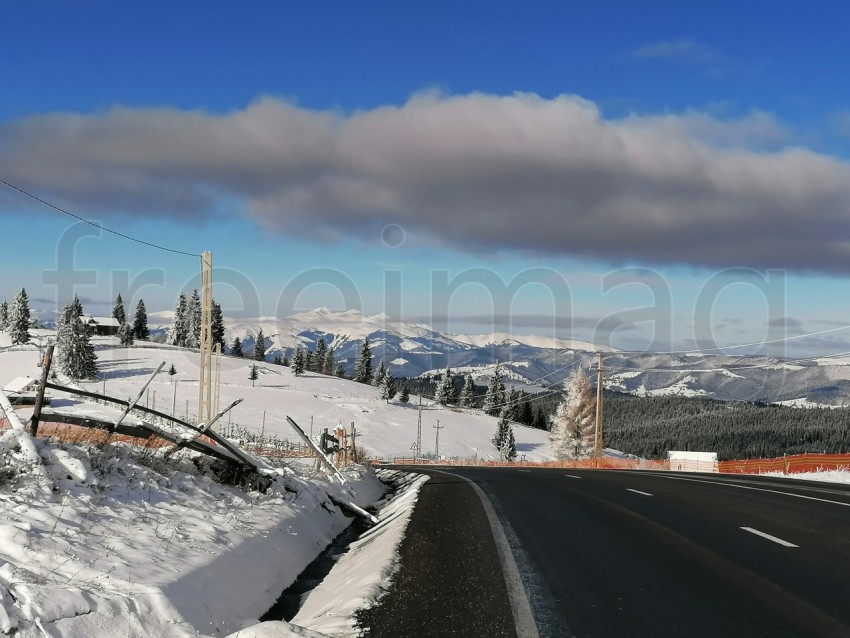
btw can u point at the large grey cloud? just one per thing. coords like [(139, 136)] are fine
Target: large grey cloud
[(477, 172)]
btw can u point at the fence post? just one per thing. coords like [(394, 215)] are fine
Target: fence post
[(39, 398)]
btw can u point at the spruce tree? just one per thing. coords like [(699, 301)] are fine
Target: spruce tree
[(388, 386), (574, 421), (178, 329), (512, 403), (253, 375), (125, 334), (236, 348), (319, 356), (75, 352), (193, 320), (501, 429), (363, 367), (445, 389), (493, 399), (4, 315), (19, 319), (340, 371), (285, 362), (260, 346), (509, 445), (217, 326), (526, 413), (309, 360), (467, 395), (380, 373), (118, 312), (328, 366), (540, 420), (404, 397), (298, 360), (140, 322), (172, 371)]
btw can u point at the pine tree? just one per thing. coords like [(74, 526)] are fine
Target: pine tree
[(19, 319), (380, 373), (540, 420), (125, 334), (217, 326), (445, 389), (253, 375), (285, 361), (298, 360), (4, 315), (363, 367), (140, 322), (193, 320), (526, 413), (493, 399), (404, 397), (328, 366), (388, 386), (512, 404), (179, 327), (501, 429), (118, 310), (467, 395), (260, 346), (509, 445), (236, 348), (319, 357), (75, 352), (574, 421), (340, 371), (503, 438), (172, 371), (309, 362)]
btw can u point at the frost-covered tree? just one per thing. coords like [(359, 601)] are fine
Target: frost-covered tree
[(445, 393), (193, 320), (179, 327), (299, 360), (74, 351), (509, 445), (309, 363), (19, 319), (253, 374), (512, 404), (467, 395), (236, 348), (494, 398), (503, 438), (125, 334), (260, 346), (4, 315), (404, 396), (140, 322), (319, 356), (217, 327), (118, 311), (363, 367), (526, 412), (574, 422), (388, 386), (380, 373)]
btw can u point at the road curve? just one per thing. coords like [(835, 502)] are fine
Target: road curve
[(626, 553)]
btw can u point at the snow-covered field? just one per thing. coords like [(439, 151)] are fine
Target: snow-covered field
[(829, 476)]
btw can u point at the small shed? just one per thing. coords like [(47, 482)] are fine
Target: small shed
[(103, 326), (22, 391), (686, 461)]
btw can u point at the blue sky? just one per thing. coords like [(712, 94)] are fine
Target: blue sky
[(738, 83)]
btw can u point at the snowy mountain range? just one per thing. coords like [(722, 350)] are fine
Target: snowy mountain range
[(536, 363)]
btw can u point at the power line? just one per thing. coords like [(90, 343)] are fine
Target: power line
[(91, 223)]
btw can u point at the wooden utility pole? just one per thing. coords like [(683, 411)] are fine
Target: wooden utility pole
[(205, 396), (597, 444), (419, 431), (39, 397)]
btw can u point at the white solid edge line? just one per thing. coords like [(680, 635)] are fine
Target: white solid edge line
[(628, 489), (520, 607), (769, 537), (572, 476)]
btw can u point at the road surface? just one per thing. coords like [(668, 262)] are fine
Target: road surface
[(625, 553)]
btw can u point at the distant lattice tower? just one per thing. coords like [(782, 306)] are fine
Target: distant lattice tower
[(205, 382)]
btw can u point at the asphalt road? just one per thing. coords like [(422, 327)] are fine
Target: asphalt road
[(617, 553)]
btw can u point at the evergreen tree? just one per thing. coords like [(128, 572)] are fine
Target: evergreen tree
[(330, 357), (277, 360), (179, 328), (380, 373), (309, 360), (217, 328), (260, 346), (467, 395), (340, 371), (285, 361), (388, 386), (404, 397), (140, 322), (125, 334), (193, 320), (253, 375), (236, 348), (4, 315), (509, 445), (75, 352), (19, 319), (298, 360), (118, 312), (493, 399), (445, 389), (574, 421), (172, 371), (526, 412), (540, 420), (319, 356), (363, 367), (512, 404)]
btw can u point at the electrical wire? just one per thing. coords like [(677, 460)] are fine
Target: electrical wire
[(91, 223)]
